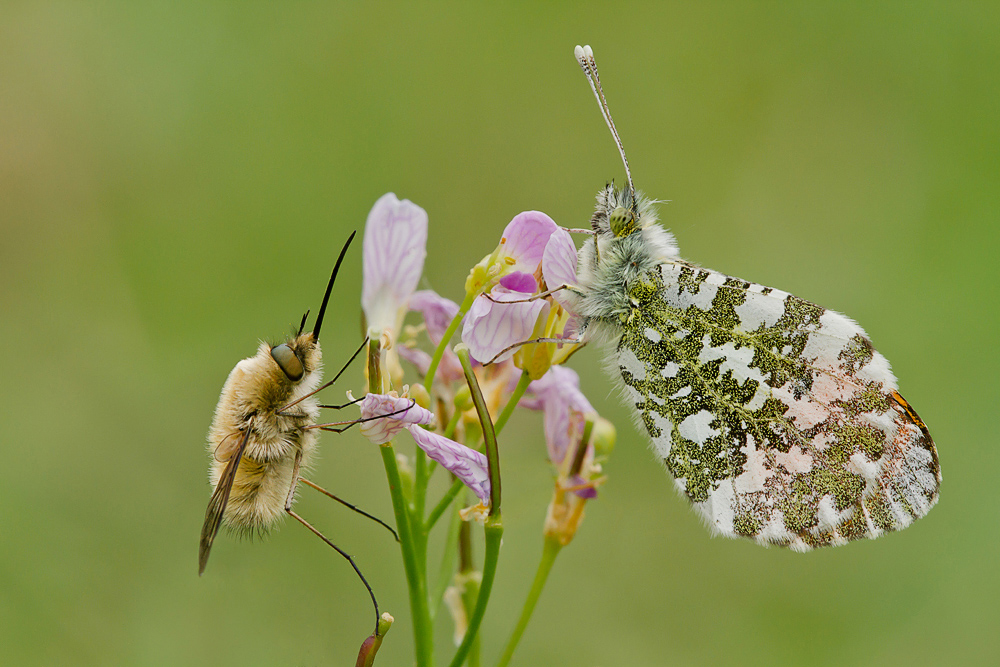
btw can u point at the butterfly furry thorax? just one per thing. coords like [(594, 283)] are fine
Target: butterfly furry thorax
[(776, 417), (251, 399)]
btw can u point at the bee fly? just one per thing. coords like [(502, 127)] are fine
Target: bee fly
[(264, 433)]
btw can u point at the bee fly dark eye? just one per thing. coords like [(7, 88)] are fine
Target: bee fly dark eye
[(287, 361)]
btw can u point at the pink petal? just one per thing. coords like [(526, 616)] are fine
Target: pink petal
[(396, 413), (420, 359), (558, 395), (395, 246), (586, 491), (560, 386), (492, 327), (437, 311), (525, 238), (559, 265), (467, 464), (519, 281)]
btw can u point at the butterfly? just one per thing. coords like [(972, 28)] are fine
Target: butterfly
[(776, 417)]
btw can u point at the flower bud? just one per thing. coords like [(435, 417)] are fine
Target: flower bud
[(603, 437), (463, 399), (418, 392), (366, 656)]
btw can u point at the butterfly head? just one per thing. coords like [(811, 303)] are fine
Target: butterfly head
[(621, 212)]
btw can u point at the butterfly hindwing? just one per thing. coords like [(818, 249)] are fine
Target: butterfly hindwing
[(777, 418)]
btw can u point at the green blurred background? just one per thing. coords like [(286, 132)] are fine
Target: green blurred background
[(176, 180)]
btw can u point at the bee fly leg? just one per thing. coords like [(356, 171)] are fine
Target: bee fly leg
[(340, 427), (290, 512), (341, 407), (349, 505)]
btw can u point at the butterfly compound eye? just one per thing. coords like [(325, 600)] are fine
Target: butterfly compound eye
[(287, 361), (621, 221)]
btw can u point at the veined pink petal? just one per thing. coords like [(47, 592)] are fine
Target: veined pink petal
[(395, 246), (519, 281), (467, 464), (561, 385), (558, 395), (525, 238), (437, 311), (396, 412), (492, 327), (559, 266)]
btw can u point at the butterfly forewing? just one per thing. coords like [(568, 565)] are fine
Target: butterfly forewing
[(776, 417)]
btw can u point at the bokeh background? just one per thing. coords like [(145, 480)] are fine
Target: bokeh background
[(177, 178)]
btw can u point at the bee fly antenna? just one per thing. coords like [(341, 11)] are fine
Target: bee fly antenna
[(585, 56), (302, 324), (329, 287)]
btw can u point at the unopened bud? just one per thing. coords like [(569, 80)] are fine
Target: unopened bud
[(366, 656), (418, 392), (603, 436), (463, 399)]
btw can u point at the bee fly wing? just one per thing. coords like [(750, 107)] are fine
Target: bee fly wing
[(217, 503)]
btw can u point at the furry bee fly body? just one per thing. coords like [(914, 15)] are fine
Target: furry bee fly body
[(264, 432)]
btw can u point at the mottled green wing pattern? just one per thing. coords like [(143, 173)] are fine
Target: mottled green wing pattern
[(776, 417)]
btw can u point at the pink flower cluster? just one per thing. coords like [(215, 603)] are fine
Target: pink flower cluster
[(515, 295)]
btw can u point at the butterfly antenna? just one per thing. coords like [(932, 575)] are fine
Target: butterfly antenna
[(329, 287), (585, 56)]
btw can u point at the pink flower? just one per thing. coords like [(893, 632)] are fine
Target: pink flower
[(559, 266), (437, 313), (395, 246), (524, 240), (388, 414), (557, 394), (492, 327), (467, 464)]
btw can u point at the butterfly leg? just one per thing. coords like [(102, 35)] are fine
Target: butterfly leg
[(533, 297), (563, 341)]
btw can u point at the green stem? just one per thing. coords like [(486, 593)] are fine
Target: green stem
[(442, 505), (447, 570), (412, 545), (549, 552), (419, 484), (508, 410), (494, 532), (423, 630), (449, 431), (449, 332), (489, 433), (470, 585)]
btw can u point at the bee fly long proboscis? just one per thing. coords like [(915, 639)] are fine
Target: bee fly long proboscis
[(264, 434)]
